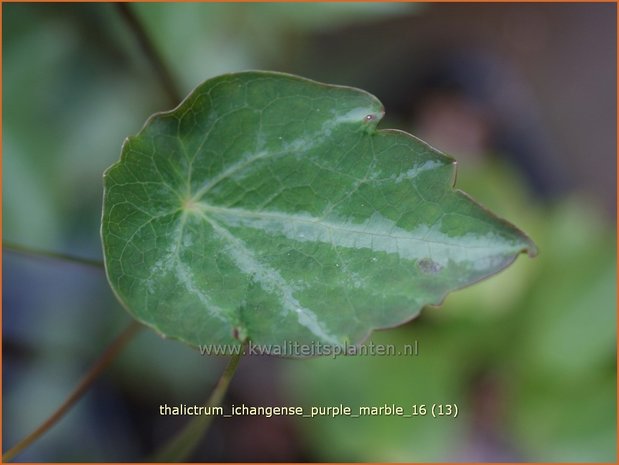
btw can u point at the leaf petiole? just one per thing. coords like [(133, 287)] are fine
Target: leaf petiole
[(180, 446)]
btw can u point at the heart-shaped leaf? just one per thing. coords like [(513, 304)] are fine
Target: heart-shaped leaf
[(269, 207)]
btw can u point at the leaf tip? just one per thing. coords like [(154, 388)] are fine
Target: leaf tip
[(531, 248)]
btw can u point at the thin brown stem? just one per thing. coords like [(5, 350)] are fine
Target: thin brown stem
[(148, 48), (95, 371), (39, 253)]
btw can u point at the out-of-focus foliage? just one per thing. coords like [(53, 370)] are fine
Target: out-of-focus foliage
[(236, 37), (528, 355)]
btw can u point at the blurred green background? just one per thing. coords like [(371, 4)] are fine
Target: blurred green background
[(522, 95)]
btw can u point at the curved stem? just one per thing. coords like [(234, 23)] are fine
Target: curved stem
[(100, 365), (148, 47), (180, 446), (33, 252)]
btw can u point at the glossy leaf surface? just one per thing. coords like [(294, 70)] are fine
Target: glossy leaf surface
[(270, 207)]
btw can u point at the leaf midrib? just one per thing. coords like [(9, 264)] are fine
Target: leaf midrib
[(206, 208)]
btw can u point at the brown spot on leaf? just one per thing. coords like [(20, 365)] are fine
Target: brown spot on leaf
[(427, 265)]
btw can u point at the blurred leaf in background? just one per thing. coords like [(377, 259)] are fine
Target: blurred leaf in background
[(529, 356), (236, 36)]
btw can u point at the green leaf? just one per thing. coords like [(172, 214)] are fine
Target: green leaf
[(270, 207)]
